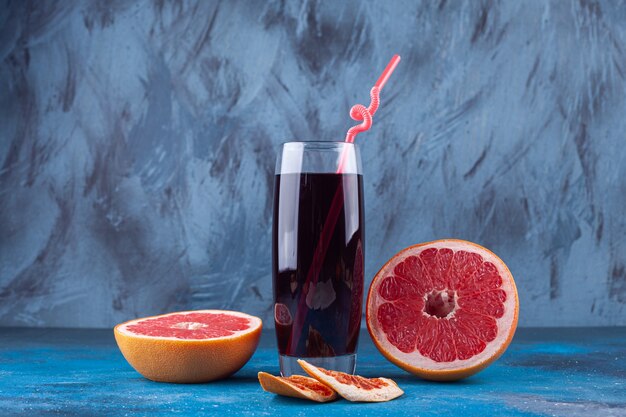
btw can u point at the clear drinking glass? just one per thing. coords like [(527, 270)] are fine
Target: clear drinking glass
[(317, 254)]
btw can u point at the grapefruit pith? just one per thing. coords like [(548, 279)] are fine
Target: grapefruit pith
[(443, 310), (189, 346)]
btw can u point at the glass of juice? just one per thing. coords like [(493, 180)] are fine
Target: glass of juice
[(317, 254)]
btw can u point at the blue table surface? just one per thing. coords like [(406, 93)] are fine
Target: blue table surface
[(551, 372)]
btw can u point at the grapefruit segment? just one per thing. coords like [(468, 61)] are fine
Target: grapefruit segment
[(467, 345), (443, 349), (390, 289), (297, 386), (489, 302), (189, 346), (426, 335), (282, 316), (464, 266), (354, 387), (443, 310), (414, 270)]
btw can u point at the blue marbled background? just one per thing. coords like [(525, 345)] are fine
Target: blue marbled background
[(138, 142)]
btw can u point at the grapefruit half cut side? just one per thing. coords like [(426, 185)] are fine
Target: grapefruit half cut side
[(443, 310), (297, 386), (189, 346)]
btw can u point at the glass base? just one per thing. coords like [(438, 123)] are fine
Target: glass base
[(345, 363)]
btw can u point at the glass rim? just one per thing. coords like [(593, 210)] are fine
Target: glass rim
[(318, 157), (321, 143)]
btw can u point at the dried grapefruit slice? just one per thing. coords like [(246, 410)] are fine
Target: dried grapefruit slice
[(297, 386), (354, 387), (189, 346), (443, 310)]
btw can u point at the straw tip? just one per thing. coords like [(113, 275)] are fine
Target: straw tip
[(391, 66)]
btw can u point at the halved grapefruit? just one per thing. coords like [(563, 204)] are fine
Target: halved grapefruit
[(443, 310), (297, 386), (354, 387), (189, 346)]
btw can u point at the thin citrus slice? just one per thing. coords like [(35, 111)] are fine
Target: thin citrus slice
[(354, 387), (443, 310), (297, 386), (189, 346)]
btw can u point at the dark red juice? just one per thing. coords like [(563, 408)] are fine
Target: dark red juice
[(318, 263)]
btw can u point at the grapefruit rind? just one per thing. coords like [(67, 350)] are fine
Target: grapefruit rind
[(286, 387), (350, 392), (425, 367), (169, 359)]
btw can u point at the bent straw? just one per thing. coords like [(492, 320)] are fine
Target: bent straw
[(360, 112), (357, 112)]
